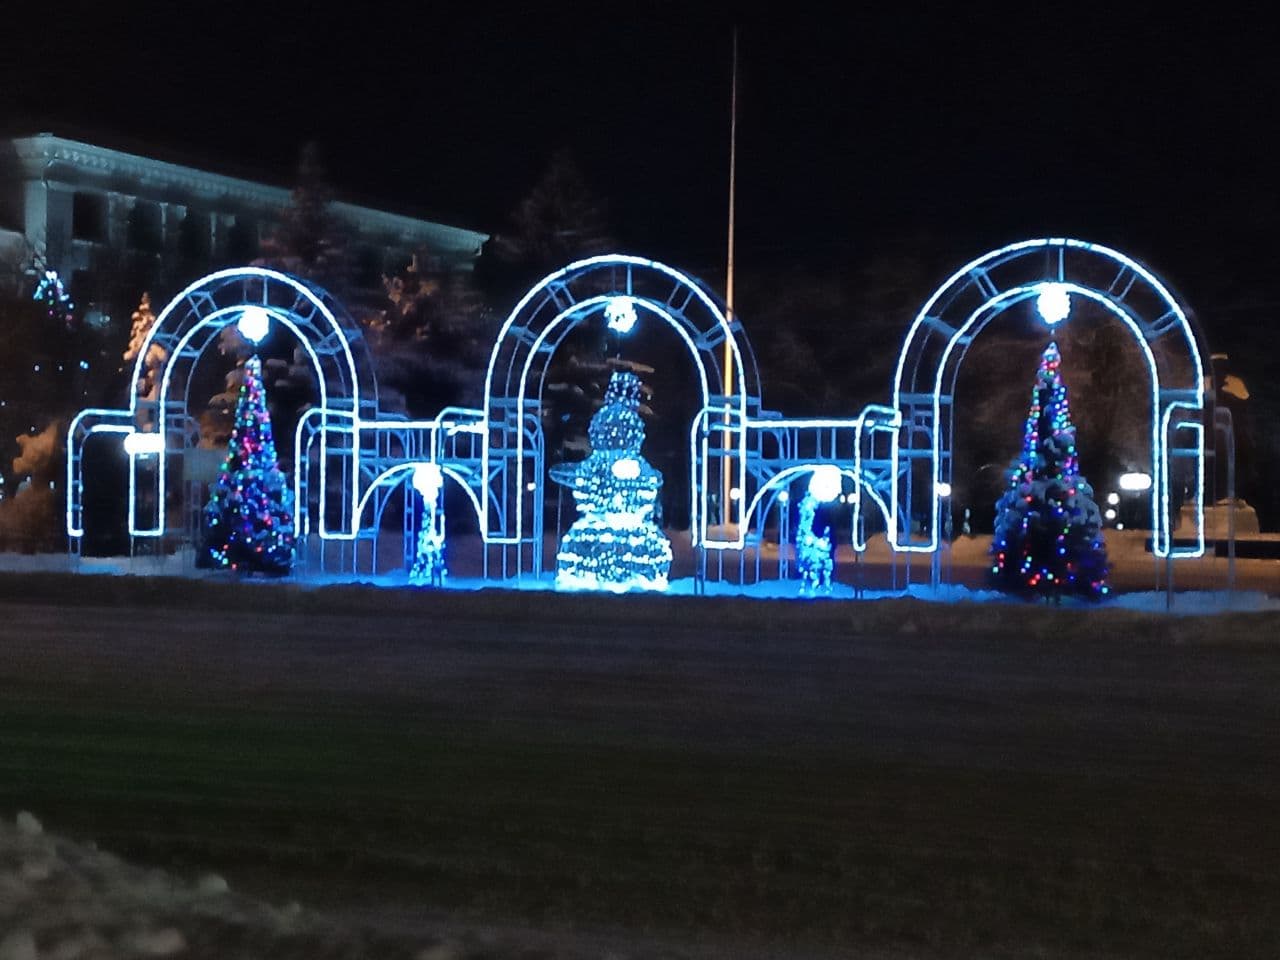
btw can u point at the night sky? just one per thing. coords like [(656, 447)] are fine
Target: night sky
[(1153, 134)]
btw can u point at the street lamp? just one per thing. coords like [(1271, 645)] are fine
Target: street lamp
[(943, 491), (1134, 482)]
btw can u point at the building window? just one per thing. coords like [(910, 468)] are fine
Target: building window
[(242, 241), (89, 217), (144, 230), (193, 236)]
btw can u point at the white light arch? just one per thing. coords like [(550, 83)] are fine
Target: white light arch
[(780, 480), (538, 323), (184, 329), (924, 379), (395, 473)]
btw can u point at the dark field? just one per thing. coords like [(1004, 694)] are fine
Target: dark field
[(951, 781)]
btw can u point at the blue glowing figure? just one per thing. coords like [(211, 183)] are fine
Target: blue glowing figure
[(813, 549), (614, 544), (428, 562)]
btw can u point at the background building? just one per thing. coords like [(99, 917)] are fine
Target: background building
[(113, 223)]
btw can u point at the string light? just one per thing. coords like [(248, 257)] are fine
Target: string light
[(1048, 533), (248, 521), (615, 544), (53, 294)]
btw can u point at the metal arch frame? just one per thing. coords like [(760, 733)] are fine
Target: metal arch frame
[(538, 324), (385, 477), (433, 440), (374, 449), (935, 346), (184, 329), (787, 475), (380, 489)]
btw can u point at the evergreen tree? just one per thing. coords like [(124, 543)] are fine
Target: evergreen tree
[(560, 220), (248, 521), (143, 320), (431, 340), (1048, 535), (310, 241)]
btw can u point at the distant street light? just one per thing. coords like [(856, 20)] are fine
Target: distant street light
[(1135, 482)]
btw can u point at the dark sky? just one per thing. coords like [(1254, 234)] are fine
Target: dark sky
[(1153, 133)]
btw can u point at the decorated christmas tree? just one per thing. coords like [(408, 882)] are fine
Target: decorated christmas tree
[(248, 521), (614, 544), (52, 294), (1048, 533)]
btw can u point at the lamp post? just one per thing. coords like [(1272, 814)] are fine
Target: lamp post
[(1134, 483), (942, 489)]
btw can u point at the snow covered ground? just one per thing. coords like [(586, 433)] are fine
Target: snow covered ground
[(61, 900)]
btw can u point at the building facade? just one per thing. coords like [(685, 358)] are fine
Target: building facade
[(107, 219)]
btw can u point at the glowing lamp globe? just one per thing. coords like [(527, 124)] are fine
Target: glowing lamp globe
[(141, 444), (943, 488), (620, 314), (1135, 482), (825, 483), (427, 480), (253, 324), (1053, 303), (628, 468)]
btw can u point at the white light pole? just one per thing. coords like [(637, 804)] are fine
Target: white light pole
[(942, 494)]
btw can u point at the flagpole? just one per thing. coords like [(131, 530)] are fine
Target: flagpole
[(727, 484)]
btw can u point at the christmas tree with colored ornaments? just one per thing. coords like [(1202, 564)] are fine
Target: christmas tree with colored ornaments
[(1048, 531), (248, 521)]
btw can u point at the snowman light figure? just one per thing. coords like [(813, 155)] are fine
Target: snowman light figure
[(614, 544)]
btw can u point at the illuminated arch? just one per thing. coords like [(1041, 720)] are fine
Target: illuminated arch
[(939, 337), (768, 491), (536, 327), (184, 329), (396, 473)]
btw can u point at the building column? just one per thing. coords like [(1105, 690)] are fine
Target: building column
[(35, 216)]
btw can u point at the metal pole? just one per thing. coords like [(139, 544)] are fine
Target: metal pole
[(935, 560), (726, 480), (1226, 426)]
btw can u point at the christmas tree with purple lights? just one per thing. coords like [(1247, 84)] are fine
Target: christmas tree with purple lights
[(1048, 532), (248, 521)]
